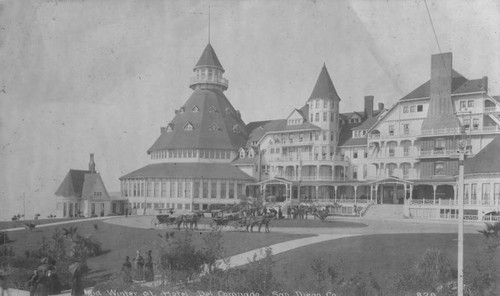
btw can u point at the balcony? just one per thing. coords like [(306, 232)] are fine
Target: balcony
[(213, 79), (292, 142), (438, 153), (392, 135), (298, 158), (441, 131)]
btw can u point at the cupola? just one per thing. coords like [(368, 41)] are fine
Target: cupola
[(208, 72)]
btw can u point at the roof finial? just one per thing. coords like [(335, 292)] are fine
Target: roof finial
[(208, 24)]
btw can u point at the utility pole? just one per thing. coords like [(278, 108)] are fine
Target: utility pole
[(24, 206), (461, 153)]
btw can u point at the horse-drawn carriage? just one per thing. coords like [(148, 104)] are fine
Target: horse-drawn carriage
[(189, 221)]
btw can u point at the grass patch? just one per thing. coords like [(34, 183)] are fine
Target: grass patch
[(382, 255), (119, 241), (16, 224)]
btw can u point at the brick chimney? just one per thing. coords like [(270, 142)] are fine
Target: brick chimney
[(381, 107), (441, 113), (368, 106), (92, 164)]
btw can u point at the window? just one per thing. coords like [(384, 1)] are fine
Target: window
[(187, 206), (463, 104), (439, 168), (169, 128), (195, 109), (355, 154), (149, 189), (236, 129), (392, 148), (317, 117), (316, 136), (466, 123), (212, 108), (187, 189), (231, 189), (406, 109), (317, 103), (312, 117), (325, 118), (156, 189), (406, 128), (470, 103), (420, 108), (181, 110), (365, 171), (179, 206), (214, 127), (196, 188), (473, 192), (496, 193), (406, 169), (324, 136), (355, 172), (486, 193), (205, 188), (390, 168), (412, 109), (475, 123), (391, 130), (331, 136), (173, 188), (325, 103), (439, 145), (163, 189), (188, 127), (223, 189), (213, 189)]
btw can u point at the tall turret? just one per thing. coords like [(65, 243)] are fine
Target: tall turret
[(324, 109), (208, 72)]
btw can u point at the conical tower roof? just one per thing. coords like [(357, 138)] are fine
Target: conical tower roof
[(324, 88), (206, 121), (209, 58)]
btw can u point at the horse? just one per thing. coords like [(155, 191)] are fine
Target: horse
[(266, 219), (192, 220)]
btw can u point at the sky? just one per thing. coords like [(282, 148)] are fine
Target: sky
[(102, 76)]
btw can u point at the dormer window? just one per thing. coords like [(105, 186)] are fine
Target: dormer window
[(170, 128), (212, 108), (188, 127), (228, 111), (195, 109), (181, 110), (214, 127), (242, 153), (236, 129), (251, 153)]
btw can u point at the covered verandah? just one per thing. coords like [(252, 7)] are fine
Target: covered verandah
[(391, 190), (278, 189), (434, 191)]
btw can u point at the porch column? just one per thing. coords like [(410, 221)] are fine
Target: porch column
[(382, 194), (455, 194), (333, 173), (411, 192), (434, 187), (335, 193), (404, 190), (355, 193), (317, 191), (317, 178)]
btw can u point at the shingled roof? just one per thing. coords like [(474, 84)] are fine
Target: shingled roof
[(215, 124), (189, 170), (209, 58), (279, 125), (459, 85), (324, 88), (72, 185), (486, 161)]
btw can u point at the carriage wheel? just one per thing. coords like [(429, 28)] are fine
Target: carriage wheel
[(154, 222)]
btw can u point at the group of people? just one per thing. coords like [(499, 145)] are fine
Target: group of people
[(297, 212), (44, 280), (139, 269)]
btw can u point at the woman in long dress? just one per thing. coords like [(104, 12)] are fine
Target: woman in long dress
[(148, 272), (126, 271), (139, 267)]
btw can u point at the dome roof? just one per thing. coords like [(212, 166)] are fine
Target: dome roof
[(206, 121)]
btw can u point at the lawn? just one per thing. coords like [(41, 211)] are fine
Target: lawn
[(15, 224), (382, 255), (118, 242)]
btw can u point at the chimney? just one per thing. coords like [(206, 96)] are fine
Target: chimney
[(441, 113), (368, 106), (92, 164), (380, 107), (485, 83)]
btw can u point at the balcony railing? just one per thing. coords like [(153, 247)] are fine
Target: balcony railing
[(393, 135), (438, 153), (441, 131), (307, 158), (455, 131), (292, 142), (206, 79)]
